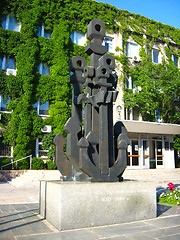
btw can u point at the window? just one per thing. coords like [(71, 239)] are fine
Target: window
[(78, 38), (42, 109), (7, 63), (3, 104), (9, 23), (132, 50), (175, 60), (130, 82), (108, 42), (155, 56), (43, 69), (42, 32)]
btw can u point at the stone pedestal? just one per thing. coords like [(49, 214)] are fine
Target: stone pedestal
[(72, 205)]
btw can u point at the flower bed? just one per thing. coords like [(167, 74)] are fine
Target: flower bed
[(171, 196)]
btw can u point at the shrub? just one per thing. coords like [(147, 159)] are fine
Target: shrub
[(51, 165), (37, 163), (24, 164), (4, 161)]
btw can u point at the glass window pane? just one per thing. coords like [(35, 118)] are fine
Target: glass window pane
[(80, 39), (0, 63), (133, 50), (13, 25), (4, 23), (39, 31), (47, 34), (176, 61), (11, 64), (4, 103), (72, 37), (44, 108), (4, 63), (45, 69), (108, 43), (155, 56)]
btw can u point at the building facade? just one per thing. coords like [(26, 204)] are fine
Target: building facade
[(151, 143)]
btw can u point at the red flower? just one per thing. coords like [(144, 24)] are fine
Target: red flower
[(171, 186)]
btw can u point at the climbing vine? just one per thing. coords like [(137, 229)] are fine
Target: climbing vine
[(60, 18)]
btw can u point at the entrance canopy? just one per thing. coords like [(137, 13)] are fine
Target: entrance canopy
[(151, 127)]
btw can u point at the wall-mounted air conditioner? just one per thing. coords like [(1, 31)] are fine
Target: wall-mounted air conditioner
[(136, 58), (46, 129), (11, 71)]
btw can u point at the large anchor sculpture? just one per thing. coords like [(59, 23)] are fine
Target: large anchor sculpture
[(96, 150)]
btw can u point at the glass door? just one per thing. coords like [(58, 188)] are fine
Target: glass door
[(159, 154), (133, 154), (146, 154)]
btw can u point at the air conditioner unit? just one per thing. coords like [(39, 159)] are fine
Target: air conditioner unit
[(11, 71), (46, 129), (136, 59)]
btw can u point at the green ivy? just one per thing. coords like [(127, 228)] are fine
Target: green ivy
[(61, 17)]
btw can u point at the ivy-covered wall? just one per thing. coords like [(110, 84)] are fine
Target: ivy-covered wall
[(60, 17)]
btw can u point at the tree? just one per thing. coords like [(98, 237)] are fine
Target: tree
[(158, 88)]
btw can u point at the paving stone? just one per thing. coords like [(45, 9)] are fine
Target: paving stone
[(139, 236), (164, 232), (22, 229), (69, 235), (175, 237), (7, 208), (169, 221), (166, 210), (119, 230), (116, 238), (6, 235)]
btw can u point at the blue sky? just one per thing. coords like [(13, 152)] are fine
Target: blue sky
[(164, 11)]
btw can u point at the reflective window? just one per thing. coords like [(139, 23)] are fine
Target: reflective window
[(3, 104), (78, 38), (42, 109), (10, 23), (155, 56), (42, 32), (43, 69), (132, 50), (108, 42), (175, 59), (11, 63), (7, 63)]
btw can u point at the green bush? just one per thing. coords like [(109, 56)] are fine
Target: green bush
[(37, 163), (24, 164), (51, 165), (4, 161)]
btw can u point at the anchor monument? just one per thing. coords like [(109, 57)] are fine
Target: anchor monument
[(96, 150)]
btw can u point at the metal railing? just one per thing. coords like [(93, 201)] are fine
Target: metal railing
[(30, 156)]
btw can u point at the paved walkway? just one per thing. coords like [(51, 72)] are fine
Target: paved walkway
[(20, 219), (22, 222)]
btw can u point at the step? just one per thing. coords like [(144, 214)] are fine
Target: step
[(32, 177)]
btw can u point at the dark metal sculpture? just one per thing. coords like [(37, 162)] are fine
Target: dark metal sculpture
[(96, 149)]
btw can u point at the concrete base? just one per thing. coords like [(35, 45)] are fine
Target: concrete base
[(72, 205)]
